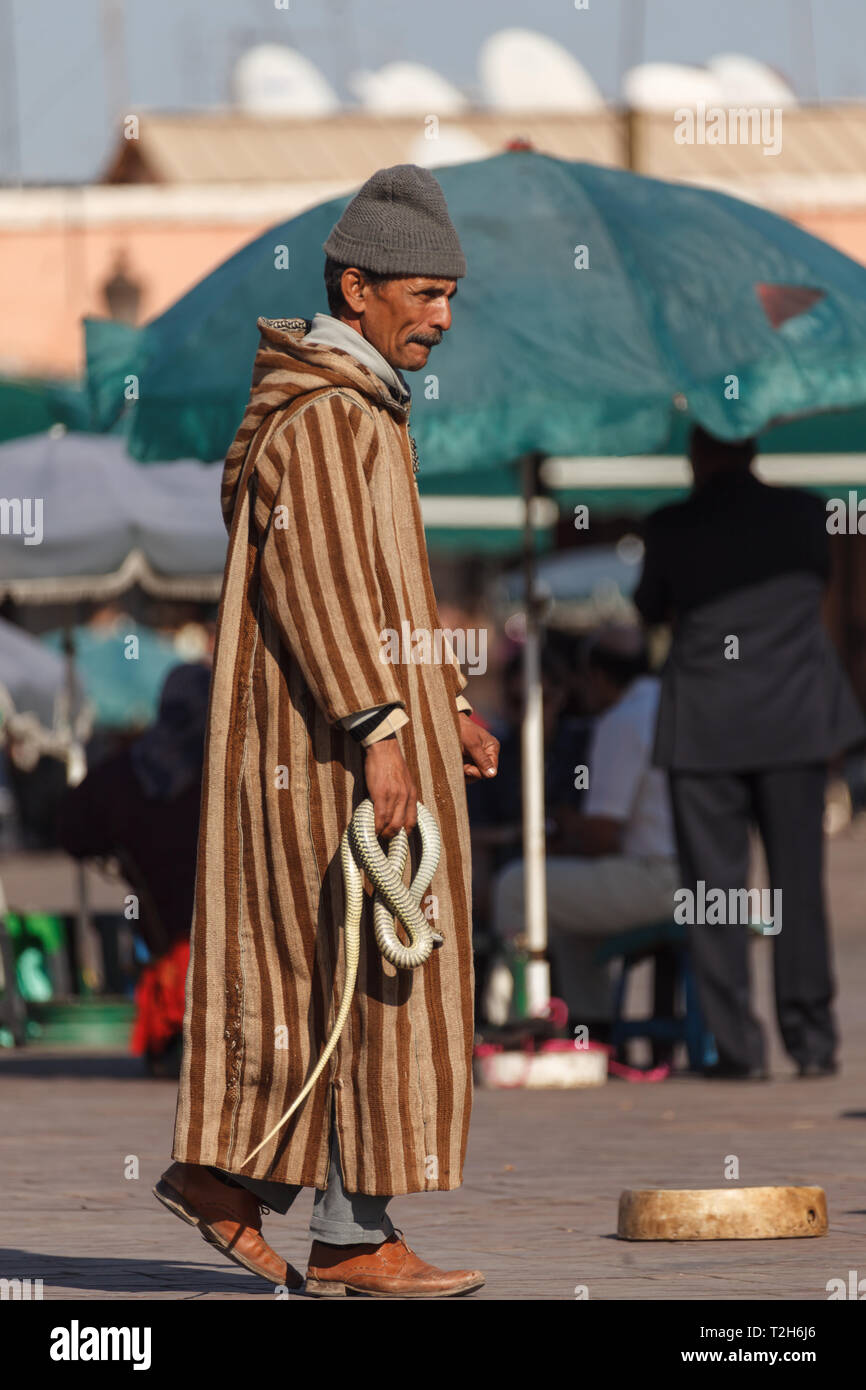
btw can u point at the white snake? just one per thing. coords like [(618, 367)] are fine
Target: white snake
[(360, 849)]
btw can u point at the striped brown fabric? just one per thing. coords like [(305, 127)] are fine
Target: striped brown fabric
[(326, 551)]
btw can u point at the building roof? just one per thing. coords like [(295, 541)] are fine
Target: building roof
[(811, 140), (795, 146), (226, 147)]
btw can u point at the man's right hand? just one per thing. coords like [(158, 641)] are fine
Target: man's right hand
[(393, 793)]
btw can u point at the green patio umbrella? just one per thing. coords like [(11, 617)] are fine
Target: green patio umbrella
[(601, 311), (32, 405), (598, 306)]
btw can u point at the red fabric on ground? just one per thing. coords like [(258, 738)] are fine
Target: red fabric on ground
[(160, 996)]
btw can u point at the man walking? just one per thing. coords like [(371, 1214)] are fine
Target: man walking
[(754, 704), (326, 556)]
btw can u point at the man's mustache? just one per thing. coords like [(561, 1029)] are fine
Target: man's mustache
[(425, 342)]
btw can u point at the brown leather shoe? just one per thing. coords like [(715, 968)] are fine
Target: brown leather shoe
[(229, 1218), (389, 1270)]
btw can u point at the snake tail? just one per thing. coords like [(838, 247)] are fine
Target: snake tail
[(360, 849)]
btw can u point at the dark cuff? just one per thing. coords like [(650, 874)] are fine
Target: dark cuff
[(361, 731)]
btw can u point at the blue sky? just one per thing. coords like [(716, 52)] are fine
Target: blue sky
[(57, 93)]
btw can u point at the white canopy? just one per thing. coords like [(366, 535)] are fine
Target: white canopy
[(79, 519), (35, 704)]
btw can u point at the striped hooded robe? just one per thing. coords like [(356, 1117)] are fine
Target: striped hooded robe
[(326, 553)]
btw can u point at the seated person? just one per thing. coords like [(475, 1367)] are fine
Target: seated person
[(620, 869), (496, 810)]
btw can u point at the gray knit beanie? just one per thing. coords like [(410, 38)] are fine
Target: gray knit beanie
[(398, 224)]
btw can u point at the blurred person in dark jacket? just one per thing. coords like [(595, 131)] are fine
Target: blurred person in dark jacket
[(754, 705), (141, 806)]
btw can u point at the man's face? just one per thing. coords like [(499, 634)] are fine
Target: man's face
[(402, 318)]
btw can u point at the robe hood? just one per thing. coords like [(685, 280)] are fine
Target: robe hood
[(286, 369)]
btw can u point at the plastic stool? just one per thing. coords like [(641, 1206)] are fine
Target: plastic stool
[(665, 942)]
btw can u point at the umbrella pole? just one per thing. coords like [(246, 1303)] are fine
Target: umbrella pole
[(532, 767), (87, 946)]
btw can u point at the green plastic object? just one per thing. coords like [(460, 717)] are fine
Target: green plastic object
[(36, 937), (101, 1022), (34, 983), (519, 1007), (48, 928)]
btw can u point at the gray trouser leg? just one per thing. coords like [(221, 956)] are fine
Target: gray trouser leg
[(339, 1217), (347, 1218), (276, 1195), (712, 813)]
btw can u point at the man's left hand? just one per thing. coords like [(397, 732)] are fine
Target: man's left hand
[(480, 750)]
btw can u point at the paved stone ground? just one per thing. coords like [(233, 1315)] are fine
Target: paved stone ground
[(538, 1207)]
